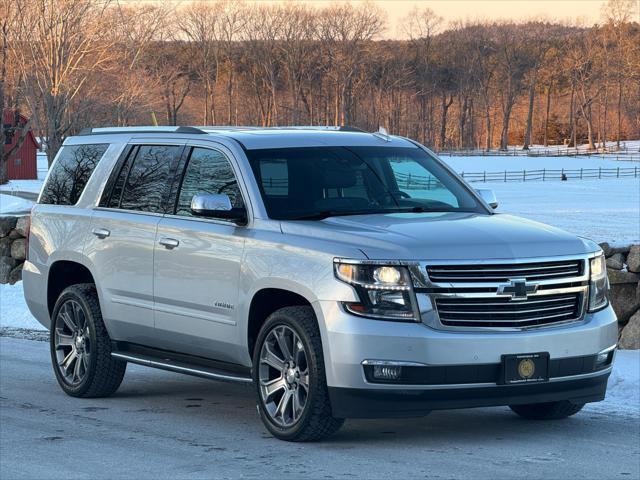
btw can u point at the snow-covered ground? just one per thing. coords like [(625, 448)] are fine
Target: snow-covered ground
[(33, 186), (602, 210), (14, 312), (514, 163), (12, 204), (606, 210), (623, 392)]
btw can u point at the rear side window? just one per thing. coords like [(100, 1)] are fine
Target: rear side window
[(144, 180), (71, 172)]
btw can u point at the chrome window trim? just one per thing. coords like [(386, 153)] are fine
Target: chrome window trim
[(135, 212)]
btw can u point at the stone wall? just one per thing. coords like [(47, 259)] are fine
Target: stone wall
[(623, 268), (13, 246)]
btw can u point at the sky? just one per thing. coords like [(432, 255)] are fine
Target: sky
[(583, 12)]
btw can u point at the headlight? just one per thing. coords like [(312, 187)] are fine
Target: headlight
[(385, 291), (598, 283)]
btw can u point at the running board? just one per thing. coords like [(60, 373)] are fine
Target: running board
[(182, 367)]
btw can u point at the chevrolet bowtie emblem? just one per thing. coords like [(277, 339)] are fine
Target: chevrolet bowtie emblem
[(518, 289)]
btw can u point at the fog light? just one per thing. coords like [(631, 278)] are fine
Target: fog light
[(602, 359), (386, 372)]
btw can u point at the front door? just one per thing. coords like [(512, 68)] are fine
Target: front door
[(197, 265)]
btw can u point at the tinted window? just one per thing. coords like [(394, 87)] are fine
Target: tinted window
[(208, 171), (312, 183), (113, 190), (148, 178), (71, 172)]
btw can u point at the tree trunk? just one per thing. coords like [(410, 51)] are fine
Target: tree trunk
[(443, 119), (573, 136), (546, 116), (619, 127), (589, 119), (487, 114), (506, 118), (3, 171), (528, 128)]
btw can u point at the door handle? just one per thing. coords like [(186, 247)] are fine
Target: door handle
[(101, 232), (169, 243)]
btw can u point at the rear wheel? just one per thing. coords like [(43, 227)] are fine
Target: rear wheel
[(547, 411), (288, 370), (81, 347)]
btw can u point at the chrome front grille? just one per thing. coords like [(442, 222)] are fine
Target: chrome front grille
[(502, 312), (502, 273), (508, 295)]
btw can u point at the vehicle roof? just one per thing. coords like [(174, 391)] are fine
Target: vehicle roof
[(263, 138)]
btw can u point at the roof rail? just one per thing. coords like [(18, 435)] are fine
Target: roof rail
[(115, 130), (348, 128)]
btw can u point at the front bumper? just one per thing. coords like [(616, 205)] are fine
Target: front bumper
[(349, 340), (369, 403)]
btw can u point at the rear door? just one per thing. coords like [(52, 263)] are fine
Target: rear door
[(197, 264), (122, 237)]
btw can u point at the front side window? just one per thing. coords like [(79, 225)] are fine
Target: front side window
[(70, 173), (318, 182), (144, 180), (208, 172)]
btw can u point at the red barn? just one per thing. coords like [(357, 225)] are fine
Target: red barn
[(22, 165)]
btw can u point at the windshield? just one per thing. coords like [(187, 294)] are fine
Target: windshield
[(319, 182)]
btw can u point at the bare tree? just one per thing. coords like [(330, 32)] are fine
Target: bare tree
[(135, 31), (421, 26), (201, 23), (63, 43), (514, 60), (344, 32), (17, 129)]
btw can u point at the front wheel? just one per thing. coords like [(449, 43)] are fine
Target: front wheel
[(288, 371), (547, 411)]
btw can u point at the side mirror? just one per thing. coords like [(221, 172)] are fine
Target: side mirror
[(217, 206), (489, 197)]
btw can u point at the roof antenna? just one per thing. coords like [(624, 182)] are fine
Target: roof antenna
[(382, 134)]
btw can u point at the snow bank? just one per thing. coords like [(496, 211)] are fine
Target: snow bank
[(11, 204), (14, 312), (602, 210), (33, 186), (623, 391)]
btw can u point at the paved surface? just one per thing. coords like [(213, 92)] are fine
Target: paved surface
[(163, 425)]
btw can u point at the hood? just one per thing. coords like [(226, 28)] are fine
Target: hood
[(443, 236)]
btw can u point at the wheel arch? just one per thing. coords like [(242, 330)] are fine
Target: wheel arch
[(62, 274), (263, 303)]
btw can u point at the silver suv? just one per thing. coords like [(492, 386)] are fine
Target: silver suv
[(345, 274)]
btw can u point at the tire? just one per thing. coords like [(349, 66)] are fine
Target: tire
[(308, 390), (93, 372), (547, 411)]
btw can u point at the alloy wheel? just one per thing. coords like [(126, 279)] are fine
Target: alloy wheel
[(283, 376), (72, 342)]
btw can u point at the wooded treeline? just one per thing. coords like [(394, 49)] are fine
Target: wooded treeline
[(77, 63)]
